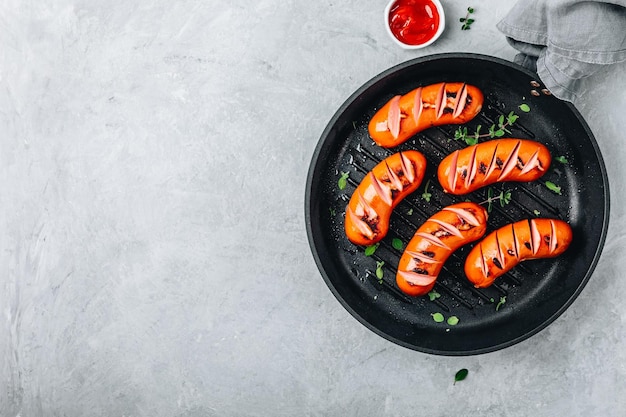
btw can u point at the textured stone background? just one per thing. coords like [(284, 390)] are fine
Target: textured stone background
[(153, 253)]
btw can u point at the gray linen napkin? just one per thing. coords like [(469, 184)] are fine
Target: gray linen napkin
[(565, 41)]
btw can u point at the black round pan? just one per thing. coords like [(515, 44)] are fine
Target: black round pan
[(536, 292)]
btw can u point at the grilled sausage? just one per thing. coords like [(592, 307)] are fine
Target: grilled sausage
[(432, 105), (371, 204), (498, 160), (434, 241), (504, 248)]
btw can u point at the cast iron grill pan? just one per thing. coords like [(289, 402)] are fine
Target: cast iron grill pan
[(536, 292)]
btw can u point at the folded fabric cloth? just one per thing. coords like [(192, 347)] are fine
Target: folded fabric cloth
[(565, 41)]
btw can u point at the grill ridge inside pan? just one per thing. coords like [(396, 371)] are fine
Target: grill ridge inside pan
[(536, 291)]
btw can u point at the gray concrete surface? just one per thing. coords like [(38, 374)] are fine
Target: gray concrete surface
[(153, 253)]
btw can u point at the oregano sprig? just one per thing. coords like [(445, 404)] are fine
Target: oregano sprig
[(504, 198), (426, 195), (467, 22), (496, 130)]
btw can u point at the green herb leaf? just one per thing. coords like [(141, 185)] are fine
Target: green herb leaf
[(499, 133), (536, 213), (553, 187), (379, 270), (489, 199), (467, 22), (332, 211), (561, 159), (460, 375), (343, 180), (524, 107), (397, 243), (369, 250), (433, 295), (453, 320), (410, 212), (438, 317), (511, 118), (426, 195), (505, 198), (501, 120), (501, 302)]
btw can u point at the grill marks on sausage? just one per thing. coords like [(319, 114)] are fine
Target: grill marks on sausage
[(425, 259), (513, 162), (471, 168), (418, 105), (423, 256), (535, 236), (466, 215), (446, 102), (446, 229), (440, 103), (553, 238), (387, 188), (509, 165), (515, 242), (502, 250), (494, 162)]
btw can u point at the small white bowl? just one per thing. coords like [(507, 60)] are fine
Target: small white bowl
[(440, 29)]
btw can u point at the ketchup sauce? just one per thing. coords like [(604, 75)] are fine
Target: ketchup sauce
[(414, 22)]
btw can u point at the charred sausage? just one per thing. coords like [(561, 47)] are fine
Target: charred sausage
[(506, 247), (434, 105), (434, 241), (498, 160), (380, 191)]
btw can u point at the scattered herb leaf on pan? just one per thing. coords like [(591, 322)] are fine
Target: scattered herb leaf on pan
[(410, 212), (501, 302), (537, 213), (553, 187), (426, 195), (467, 21), (511, 118), (460, 375), (453, 320), (438, 317), (524, 107), (433, 295), (343, 180), (369, 250), (397, 243), (332, 211), (561, 159), (379, 271)]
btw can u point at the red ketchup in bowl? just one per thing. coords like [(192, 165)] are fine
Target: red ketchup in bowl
[(414, 22)]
